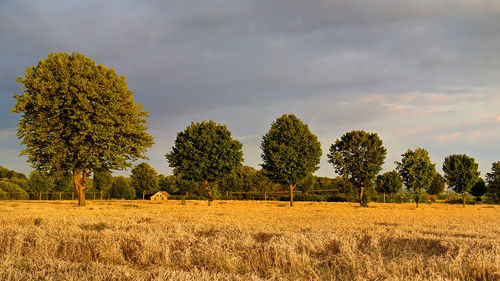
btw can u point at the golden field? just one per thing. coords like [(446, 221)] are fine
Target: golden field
[(246, 240)]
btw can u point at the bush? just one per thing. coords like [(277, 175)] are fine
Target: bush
[(336, 198)]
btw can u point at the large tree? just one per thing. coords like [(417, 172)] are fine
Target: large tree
[(417, 171), (389, 182), (493, 181), (290, 152), (79, 117), (144, 179), (205, 152), (358, 156), (461, 173)]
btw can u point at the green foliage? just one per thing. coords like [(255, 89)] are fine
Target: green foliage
[(144, 179), (63, 182), (102, 180), (242, 179), (478, 189), (306, 184), (358, 156), (10, 174), (205, 152), (437, 185), (39, 182), (121, 188), (461, 172), (290, 151), (390, 182), (417, 171), (79, 116), (12, 191), (493, 180), (21, 182)]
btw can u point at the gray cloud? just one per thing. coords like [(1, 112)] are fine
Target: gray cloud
[(339, 65)]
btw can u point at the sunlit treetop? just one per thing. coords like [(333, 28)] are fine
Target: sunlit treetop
[(76, 115)]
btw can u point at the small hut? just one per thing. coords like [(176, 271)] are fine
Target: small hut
[(160, 196)]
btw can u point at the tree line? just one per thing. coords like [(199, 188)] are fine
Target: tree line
[(79, 119)]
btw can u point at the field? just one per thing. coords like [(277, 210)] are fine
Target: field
[(230, 240)]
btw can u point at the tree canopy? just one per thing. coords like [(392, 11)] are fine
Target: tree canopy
[(102, 181), (389, 182), (80, 117), (144, 179), (358, 156), (437, 185), (39, 182), (290, 152), (461, 173), (417, 171), (205, 152), (121, 188), (478, 189)]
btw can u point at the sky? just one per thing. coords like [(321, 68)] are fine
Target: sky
[(423, 73)]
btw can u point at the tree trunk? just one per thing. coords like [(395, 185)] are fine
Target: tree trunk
[(384, 197), (40, 196), (79, 179), (143, 195), (208, 189), (292, 187), (463, 199), (60, 195), (417, 198), (361, 196), (101, 195)]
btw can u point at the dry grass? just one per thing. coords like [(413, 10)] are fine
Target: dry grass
[(247, 241)]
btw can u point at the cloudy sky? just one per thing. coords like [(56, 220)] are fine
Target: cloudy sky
[(423, 73)]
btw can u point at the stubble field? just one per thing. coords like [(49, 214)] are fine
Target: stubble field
[(230, 240)]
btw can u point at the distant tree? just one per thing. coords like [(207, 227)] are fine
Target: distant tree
[(306, 184), (493, 182), (144, 179), (478, 189), (63, 183), (79, 117), (121, 188), (437, 185), (12, 191), (390, 182), (262, 185), (358, 156), (102, 181), (290, 152), (240, 180), (461, 173), (39, 182), (417, 171), (11, 174), (205, 152)]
